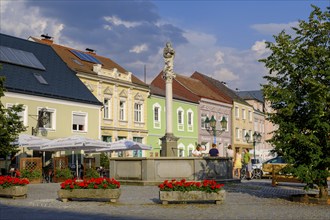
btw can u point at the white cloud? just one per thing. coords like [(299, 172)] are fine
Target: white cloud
[(139, 48), (273, 28), (219, 58), (225, 74), (17, 22), (117, 21), (260, 47)]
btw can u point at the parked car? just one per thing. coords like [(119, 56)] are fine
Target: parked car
[(267, 165), (256, 169)]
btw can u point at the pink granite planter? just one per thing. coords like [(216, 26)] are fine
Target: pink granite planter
[(14, 192), (111, 194)]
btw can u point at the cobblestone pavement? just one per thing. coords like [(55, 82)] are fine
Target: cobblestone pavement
[(255, 199)]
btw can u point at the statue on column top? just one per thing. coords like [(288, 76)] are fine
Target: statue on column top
[(168, 54)]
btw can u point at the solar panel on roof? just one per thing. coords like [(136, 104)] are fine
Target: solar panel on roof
[(20, 57), (85, 56)]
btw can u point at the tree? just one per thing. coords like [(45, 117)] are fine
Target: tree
[(298, 88), (10, 125)]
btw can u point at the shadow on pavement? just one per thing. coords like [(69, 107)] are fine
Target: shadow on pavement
[(13, 212)]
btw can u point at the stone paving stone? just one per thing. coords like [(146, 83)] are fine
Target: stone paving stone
[(255, 199)]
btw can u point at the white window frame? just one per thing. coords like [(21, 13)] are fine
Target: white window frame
[(250, 116), (138, 112), (236, 112), (157, 123), (107, 108), (243, 114), (180, 124), (190, 120), (122, 110), (52, 117), (203, 118), (237, 133), (85, 124)]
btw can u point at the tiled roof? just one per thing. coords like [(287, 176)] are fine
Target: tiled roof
[(199, 88), (158, 87), (219, 88), (62, 82), (249, 95), (190, 88), (86, 67)]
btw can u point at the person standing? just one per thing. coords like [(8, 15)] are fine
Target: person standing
[(238, 162), (214, 151), (247, 163), (230, 153)]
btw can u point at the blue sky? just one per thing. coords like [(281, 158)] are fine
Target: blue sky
[(222, 39)]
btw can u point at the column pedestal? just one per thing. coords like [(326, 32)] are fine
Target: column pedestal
[(169, 145)]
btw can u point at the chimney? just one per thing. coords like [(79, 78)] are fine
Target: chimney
[(47, 39), (91, 51)]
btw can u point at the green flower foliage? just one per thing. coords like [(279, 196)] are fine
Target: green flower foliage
[(63, 173), (30, 174), (91, 173)]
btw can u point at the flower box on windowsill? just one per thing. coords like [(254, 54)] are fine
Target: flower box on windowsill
[(189, 196), (14, 192), (111, 194)]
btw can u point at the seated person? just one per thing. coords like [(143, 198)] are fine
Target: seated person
[(198, 151), (214, 151)]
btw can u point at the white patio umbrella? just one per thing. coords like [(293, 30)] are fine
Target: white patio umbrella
[(30, 141), (73, 143), (123, 145)]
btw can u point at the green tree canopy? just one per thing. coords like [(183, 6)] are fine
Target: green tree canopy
[(298, 89), (10, 125)]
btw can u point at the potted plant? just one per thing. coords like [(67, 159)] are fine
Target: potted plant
[(94, 188), (181, 191), (62, 174), (13, 187), (33, 175), (91, 173)]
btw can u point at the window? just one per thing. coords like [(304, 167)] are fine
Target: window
[(250, 115), (106, 108), (243, 114), (237, 133), (107, 138), (181, 152), (190, 120), (79, 121), (236, 112), (137, 153), (122, 110), (48, 118), (137, 112), (226, 117), (243, 134), (156, 116), (40, 78), (180, 119), (203, 117)]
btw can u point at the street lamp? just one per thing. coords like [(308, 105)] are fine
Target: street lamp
[(256, 139), (211, 125)]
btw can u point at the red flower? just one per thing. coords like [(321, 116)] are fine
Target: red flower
[(182, 185)]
